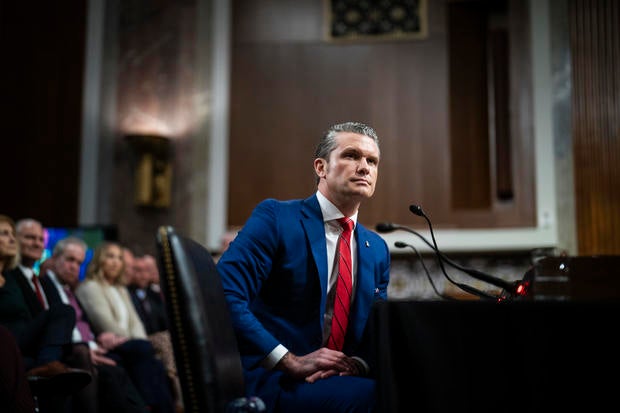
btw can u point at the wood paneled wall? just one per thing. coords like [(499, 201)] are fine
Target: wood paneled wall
[(595, 46), (288, 84)]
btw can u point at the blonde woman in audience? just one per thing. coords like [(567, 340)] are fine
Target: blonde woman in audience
[(105, 297), (106, 300)]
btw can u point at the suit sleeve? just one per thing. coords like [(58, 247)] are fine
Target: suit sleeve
[(243, 268)]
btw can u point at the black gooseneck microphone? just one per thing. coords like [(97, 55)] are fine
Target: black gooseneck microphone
[(508, 287), (511, 289), (388, 227), (385, 227), (400, 244)]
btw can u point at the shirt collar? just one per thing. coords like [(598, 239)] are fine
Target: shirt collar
[(27, 271), (330, 211), (52, 276)]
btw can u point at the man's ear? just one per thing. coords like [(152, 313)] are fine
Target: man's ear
[(320, 167)]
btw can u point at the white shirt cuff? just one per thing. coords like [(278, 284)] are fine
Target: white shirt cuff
[(274, 357)]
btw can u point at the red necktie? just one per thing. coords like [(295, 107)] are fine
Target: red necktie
[(37, 290), (344, 284)]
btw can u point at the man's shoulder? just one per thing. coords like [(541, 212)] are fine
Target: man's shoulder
[(273, 202), (283, 208)]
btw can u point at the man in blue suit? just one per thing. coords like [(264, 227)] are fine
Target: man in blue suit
[(280, 273)]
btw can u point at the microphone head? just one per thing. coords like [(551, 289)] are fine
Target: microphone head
[(385, 227), (400, 244), (416, 209)]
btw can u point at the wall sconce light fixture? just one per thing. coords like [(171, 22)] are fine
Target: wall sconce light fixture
[(153, 170)]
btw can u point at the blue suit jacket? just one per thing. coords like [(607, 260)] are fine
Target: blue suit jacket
[(275, 275)]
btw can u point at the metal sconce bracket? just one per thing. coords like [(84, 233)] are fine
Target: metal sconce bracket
[(153, 170)]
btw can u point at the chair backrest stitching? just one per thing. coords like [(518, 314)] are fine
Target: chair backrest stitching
[(174, 305)]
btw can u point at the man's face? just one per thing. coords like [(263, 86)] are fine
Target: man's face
[(151, 269), (31, 242), (67, 265), (141, 273), (352, 168)]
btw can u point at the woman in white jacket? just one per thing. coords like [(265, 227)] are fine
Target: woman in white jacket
[(105, 297), (108, 305), (106, 301)]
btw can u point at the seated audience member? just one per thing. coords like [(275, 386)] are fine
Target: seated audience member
[(112, 317), (115, 391), (152, 311), (43, 337), (15, 394), (148, 303), (105, 297)]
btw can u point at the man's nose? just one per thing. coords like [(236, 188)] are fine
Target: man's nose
[(363, 165)]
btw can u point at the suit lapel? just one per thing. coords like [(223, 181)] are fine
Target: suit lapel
[(51, 293), (364, 291), (312, 222), (29, 296)]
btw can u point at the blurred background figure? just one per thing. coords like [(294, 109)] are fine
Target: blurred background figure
[(42, 332), (149, 305), (15, 394), (108, 305), (8, 246), (104, 294), (114, 390)]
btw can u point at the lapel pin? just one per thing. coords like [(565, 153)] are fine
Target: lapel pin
[(367, 244)]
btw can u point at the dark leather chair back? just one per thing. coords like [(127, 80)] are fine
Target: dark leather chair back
[(205, 348)]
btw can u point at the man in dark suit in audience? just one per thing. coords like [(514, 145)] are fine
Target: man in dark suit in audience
[(109, 351), (30, 239), (43, 329), (148, 303), (43, 338), (150, 306)]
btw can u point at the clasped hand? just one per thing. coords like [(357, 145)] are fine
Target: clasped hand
[(320, 364)]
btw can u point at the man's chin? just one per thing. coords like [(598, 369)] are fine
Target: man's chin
[(361, 194)]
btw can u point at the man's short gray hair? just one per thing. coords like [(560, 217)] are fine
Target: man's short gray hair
[(328, 142)]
